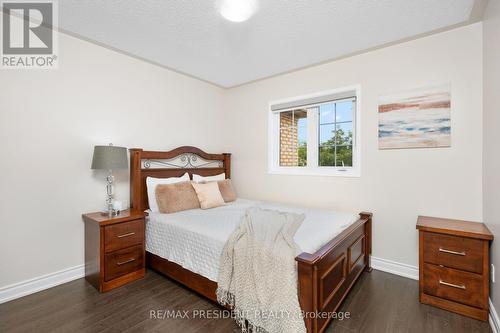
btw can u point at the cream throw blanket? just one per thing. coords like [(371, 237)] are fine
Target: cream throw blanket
[(258, 274)]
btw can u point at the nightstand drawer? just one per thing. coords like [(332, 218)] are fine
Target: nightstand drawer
[(454, 285), (123, 261), (122, 235), (455, 252)]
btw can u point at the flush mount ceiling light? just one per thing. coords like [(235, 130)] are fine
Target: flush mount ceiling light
[(237, 10)]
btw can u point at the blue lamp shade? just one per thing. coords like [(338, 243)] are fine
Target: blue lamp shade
[(109, 158)]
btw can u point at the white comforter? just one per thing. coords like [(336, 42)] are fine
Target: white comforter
[(195, 238)]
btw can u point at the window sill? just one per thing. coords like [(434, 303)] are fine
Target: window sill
[(323, 171)]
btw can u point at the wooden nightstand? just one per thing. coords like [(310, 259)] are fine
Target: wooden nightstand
[(114, 249), (454, 265)]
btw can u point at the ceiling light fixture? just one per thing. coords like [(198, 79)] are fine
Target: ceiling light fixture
[(237, 10)]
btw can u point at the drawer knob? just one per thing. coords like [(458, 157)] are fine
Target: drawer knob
[(461, 286), (126, 235), (452, 252), (125, 262)]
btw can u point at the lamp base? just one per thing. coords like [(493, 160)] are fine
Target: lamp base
[(112, 213)]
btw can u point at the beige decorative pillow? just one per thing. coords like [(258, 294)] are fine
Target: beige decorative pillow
[(227, 190), (176, 197), (208, 194)]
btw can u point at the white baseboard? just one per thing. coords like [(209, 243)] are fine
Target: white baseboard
[(493, 319), (393, 267), (40, 283)]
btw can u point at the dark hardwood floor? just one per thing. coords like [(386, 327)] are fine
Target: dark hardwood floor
[(380, 302)]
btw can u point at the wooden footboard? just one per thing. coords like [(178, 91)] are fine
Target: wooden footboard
[(326, 277)]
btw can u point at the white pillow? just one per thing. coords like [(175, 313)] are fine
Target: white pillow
[(151, 184), (199, 179)]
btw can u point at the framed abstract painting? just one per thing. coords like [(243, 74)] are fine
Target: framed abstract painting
[(419, 118)]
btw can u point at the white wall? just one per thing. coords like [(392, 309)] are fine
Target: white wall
[(49, 122), (491, 135), (396, 185)]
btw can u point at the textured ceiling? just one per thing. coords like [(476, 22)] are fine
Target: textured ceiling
[(190, 36)]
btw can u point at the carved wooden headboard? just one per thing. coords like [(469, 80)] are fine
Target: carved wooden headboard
[(173, 163)]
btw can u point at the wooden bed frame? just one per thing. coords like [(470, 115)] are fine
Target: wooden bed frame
[(324, 277)]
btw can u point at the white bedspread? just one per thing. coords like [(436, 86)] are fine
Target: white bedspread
[(195, 238)]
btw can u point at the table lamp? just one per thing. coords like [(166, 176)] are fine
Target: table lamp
[(109, 158)]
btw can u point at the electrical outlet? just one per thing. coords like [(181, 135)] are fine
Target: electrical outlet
[(492, 273)]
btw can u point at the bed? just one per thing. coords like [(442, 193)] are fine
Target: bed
[(185, 246)]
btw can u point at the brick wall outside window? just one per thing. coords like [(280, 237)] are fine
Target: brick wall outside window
[(288, 140)]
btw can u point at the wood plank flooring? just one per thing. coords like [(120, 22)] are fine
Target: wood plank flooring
[(380, 302)]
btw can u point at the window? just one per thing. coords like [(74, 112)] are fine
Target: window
[(335, 133), (315, 134)]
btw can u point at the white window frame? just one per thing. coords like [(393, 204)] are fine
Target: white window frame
[(312, 168)]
